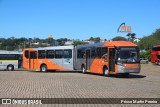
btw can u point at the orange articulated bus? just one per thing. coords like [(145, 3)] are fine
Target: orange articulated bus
[(105, 58)]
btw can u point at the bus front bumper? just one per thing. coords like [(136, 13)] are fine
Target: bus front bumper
[(123, 69)]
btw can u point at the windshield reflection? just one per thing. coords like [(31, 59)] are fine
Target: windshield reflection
[(128, 55)]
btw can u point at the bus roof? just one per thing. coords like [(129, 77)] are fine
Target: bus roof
[(108, 43), (119, 43), (54, 47), (156, 46), (9, 52)]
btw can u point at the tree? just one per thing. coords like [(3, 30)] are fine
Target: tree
[(145, 54), (96, 39), (75, 43), (62, 41), (131, 36), (148, 41), (119, 38)]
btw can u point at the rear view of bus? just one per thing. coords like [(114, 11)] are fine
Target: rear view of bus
[(155, 54), (10, 60)]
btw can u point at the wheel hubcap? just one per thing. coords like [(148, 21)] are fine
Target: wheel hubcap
[(43, 69), (106, 72), (83, 69), (10, 68)]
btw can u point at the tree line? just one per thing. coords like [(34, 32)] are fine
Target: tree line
[(13, 43)]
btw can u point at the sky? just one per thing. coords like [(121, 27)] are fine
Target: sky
[(77, 19)]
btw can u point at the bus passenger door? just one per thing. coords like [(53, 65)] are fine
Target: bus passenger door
[(33, 60), (111, 59), (25, 59), (88, 58)]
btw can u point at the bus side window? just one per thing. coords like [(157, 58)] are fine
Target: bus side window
[(11, 57), (67, 53), (99, 52), (104, 51), (3, 56), (41, 53), (33, 55), (58, 53), (79, 53), (26, 53), (93, 52), (83, 53), (50, 54)]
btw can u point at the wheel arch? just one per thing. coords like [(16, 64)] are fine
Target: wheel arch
[(42, 65), (10, 65)]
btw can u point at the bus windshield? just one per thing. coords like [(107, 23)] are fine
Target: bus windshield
[(128, 55), (156, 48)]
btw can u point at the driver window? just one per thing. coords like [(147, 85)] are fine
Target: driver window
[(104, 52)]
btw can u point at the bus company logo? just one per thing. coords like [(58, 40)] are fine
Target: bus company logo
[(6, 101), (124, 28), (67, 61)]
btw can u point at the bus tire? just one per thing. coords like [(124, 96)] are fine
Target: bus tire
[(105, 71), (158, 63), (10, 68), (83, 69), (43, 68)]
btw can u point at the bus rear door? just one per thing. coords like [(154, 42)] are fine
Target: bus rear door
[(88, 58)]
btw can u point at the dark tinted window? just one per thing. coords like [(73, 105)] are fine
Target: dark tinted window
[(50, 53), (83, 53), (68, 53), (104, 51), (58, 53), (41, 54), (99, 52), (8, 57), (79, 53), (33, 55), (26, 53), (156, 48), (93, 52)]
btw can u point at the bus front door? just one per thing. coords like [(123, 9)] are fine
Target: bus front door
[(33, 60), (111, 59), (88, 58)]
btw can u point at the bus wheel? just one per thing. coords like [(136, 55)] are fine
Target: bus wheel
[(83, 69), (43, 68), (158, 63), (10, 68), (105, 71)]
